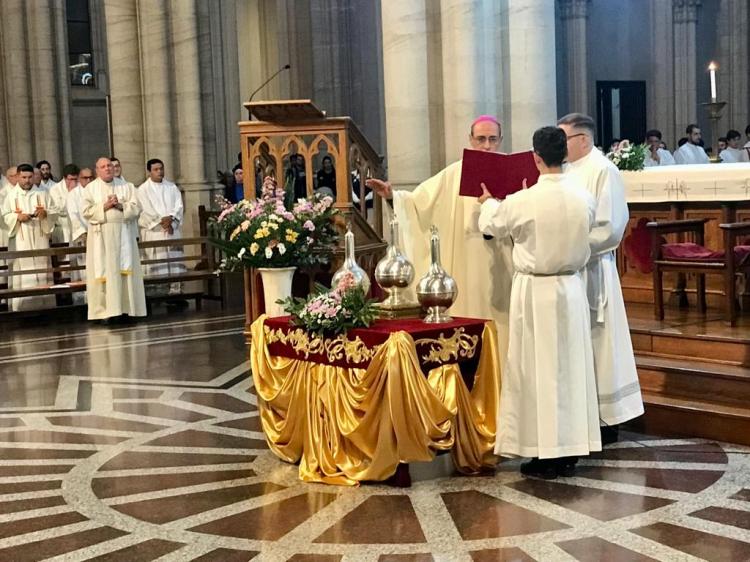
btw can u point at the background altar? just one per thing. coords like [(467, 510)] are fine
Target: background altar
[(718, 192)]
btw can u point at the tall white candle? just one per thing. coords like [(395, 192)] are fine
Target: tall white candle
[(712, 72)]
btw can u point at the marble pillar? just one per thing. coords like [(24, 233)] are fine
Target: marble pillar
[(62, 79), (157, 71), (464, 70), (685, 17), (17, 81), (189, 133), (4, 153), (532, 92), (573, 16), (44, 91), (661, 113), (123, 56), (733, 53), (331, 55), (405, 63)]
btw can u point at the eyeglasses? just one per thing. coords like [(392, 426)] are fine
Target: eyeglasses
[(85, 177), (574, 136), (482, 139)]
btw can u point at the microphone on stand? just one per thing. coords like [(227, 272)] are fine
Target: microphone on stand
[(274, 75)]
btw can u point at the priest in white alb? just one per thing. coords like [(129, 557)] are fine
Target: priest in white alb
[(617, 380), (548, 404), (29, 218), (114, 281), (691, 152), (59, 194), (482, 268), (161, 219), (10, 180)]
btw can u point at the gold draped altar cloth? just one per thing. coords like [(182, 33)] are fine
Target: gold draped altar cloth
[(345, 424)]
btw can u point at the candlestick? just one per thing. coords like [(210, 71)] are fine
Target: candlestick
[(712, 72)]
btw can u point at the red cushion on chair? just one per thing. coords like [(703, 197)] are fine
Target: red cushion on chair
[(741, 254), (637, 247), (689, 251)]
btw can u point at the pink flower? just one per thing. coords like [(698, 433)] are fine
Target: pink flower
[(225, 212), (345, 283), (309, 225)]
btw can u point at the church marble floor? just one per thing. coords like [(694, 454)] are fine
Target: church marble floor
[(143, 442)]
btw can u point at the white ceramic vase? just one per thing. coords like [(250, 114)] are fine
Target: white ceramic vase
[(277, 284)]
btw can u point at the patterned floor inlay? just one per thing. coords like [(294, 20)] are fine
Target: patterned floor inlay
[(697, 543), (594, 549), (164, 458)]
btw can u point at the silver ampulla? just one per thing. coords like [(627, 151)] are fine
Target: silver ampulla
[(394, 272), (437, 290), (351, 265)]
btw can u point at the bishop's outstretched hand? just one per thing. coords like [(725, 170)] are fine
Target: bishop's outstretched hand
[(382, 188)]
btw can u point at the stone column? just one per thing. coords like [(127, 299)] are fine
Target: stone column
[(189, 132), (4, 133), (407, 111), (464, 70), (62, 78), (685, 17), (17, 82), (573, 15), (125, 85), (43, 86), (157, 69), (532, 95), (733, 28), (661, 94)]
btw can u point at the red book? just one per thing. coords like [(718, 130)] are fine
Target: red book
[(503, 174)]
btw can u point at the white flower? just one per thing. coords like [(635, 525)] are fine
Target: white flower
[(269, 253), (282, 249), (241, 252)]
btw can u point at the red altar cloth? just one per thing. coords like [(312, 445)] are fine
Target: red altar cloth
[(425, 337)]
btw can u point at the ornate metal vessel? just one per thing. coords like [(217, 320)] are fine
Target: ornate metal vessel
[(350, 264), (437, 290), (394, 273)]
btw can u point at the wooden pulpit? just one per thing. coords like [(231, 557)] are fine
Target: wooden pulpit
[(297, 127)]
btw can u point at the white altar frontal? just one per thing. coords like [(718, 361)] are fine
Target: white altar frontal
[(699, 182)]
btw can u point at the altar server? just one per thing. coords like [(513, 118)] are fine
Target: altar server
[(161, 219), (548, 405), (733, 153)]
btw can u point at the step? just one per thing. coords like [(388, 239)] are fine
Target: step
[(696, 418), (678, 378), (721, 350)]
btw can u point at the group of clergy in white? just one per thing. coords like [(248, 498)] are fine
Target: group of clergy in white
[(541, 265), (691, 152), (106, 216)]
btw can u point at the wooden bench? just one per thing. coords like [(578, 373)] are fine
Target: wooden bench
[(60, 269)]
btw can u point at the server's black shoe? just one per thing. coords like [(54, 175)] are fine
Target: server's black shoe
[(610, 434), (540, 468), (566, 466)]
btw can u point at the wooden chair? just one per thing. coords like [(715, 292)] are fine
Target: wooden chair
[(694, 257)]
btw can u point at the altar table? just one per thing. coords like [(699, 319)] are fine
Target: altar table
[(717, 192), (350, 408)]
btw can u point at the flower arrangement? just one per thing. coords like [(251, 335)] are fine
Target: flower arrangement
[(329, 312), (628, 156), (269, 232)]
